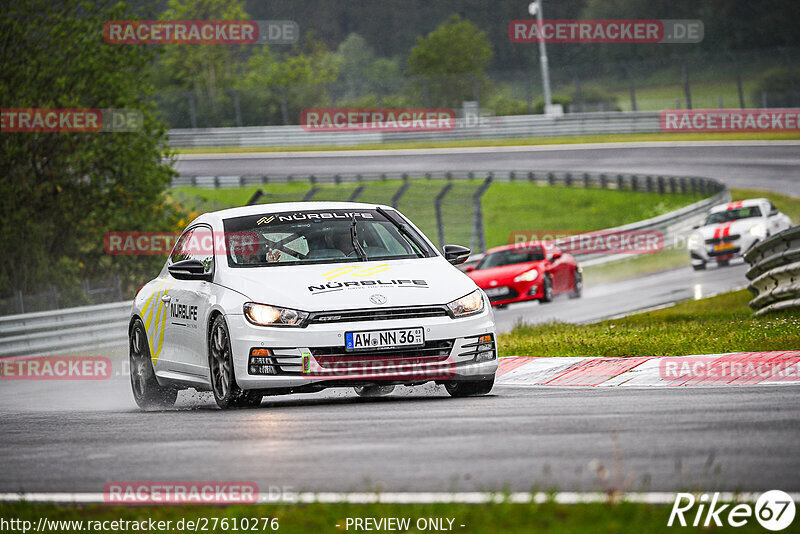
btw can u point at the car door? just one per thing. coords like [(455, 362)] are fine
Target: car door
[(558, 269), (185, 306)]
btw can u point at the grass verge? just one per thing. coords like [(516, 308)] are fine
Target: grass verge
[(708, 326), (545, 518), (513, 141)]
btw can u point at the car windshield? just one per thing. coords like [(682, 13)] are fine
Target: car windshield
[(733, 215), (511, 257), (322, 236)]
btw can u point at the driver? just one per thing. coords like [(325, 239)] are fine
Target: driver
[(340, 241)]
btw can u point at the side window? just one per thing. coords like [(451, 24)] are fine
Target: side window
[(195, 244)]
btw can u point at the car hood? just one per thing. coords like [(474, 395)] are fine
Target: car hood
[(502, 275), (343, 286), (740, 227)]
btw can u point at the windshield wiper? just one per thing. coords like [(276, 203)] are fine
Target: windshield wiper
[(404, 230), (354, 238)]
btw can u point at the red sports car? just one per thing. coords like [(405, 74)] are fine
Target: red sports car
[(527, 271)]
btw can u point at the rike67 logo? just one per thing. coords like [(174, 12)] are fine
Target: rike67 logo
[(774, 510)]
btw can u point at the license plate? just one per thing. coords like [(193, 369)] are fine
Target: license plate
[(496, 291), (384, 339), (723, 247)]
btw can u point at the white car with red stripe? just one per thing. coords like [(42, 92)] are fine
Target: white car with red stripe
[(731, 229)]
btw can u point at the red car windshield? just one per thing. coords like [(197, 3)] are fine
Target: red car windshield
[(511, 257)]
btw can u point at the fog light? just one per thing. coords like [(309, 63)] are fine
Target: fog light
[(485, 356), (260, 362), (533, 290)]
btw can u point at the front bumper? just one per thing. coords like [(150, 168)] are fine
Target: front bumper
[(314, 356), (708, 252), (517, 292)]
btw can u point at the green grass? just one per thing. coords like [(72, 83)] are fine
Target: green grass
[(545, 518), (669, 258), (708, 326), (513, 207), (507, 207), (512, 141)]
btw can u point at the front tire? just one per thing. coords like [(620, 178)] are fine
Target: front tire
[(227, 392), (699, 266), (147, 392), (469, 389), (547, 289)]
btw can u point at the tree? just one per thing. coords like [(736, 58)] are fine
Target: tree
[(209, 71), (452, 60), (61, 192), (299, 77)]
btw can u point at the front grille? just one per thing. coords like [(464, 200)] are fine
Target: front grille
[(728, 252), (432, 351), (378, 314), (726, 239)]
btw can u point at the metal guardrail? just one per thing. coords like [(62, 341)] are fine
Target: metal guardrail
[(775, 272), (475, 128), (91, 327), (65, 330)]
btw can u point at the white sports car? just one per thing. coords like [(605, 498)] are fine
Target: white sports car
[(730, 230), (298, 297)]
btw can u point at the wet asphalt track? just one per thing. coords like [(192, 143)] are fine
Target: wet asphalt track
[(76, 436)]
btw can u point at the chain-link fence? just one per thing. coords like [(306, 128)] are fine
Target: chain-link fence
[(89, 292), (446, 206), (741, 79)]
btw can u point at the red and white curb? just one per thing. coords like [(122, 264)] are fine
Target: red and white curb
[(732, 369)]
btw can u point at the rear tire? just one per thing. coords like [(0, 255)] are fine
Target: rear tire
[(373, 391), (547, 289), (147, 392), (469, 389), (227, 392), (723, 263), (577, 288)]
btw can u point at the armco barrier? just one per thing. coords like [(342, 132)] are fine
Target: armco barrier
[(90, 327), (775, 272), (66, 330), (485, 128)]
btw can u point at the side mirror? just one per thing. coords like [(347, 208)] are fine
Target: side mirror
[(773, 213), (456, 254), (189, 270), (556, 255), (469, 268), (695, 227)]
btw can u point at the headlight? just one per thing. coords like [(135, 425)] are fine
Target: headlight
[(265, 315), (527, 276), (695, 240), (468, 305), (758, 231)]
